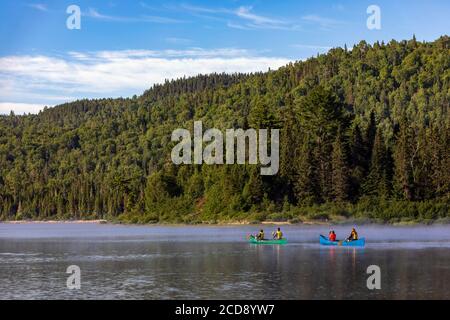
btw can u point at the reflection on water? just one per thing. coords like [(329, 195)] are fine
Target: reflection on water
[(119, 262)]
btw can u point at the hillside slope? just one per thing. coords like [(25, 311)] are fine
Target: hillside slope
[(364, 133)]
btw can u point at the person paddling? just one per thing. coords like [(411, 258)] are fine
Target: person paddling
[(353, 235), (332, 236), (260, 235), (278, 235)]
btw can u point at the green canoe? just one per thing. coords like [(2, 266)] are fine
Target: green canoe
[(253, 240)]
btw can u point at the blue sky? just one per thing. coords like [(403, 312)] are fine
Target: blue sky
[(123, 46)]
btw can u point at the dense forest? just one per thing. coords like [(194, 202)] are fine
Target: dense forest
[(365, 133)]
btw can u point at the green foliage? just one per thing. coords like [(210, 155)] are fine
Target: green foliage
[(340, 178), (377, 183), (364, 133)]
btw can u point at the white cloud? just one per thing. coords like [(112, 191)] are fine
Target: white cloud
[(93, 13), (325, 23), (243, 17), (20, 108), (246, 18), (48, 80), (245, 13), (38, 6), (199, 9)]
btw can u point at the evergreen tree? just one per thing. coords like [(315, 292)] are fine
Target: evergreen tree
[(340, 178), (370, 137), (290, 136), (307, 188), (403, 159), (321, 114), (262, 116), (358, 162), (253, 192), (377, 181)]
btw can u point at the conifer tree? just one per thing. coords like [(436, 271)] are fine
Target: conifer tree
[(404, 155), (340, 175), (357, 162), (307, 189), (289, 149), (377, 183)]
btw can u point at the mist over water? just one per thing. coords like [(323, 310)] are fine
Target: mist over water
[(199, 262)]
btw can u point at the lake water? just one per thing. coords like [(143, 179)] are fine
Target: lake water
[(142, 262)]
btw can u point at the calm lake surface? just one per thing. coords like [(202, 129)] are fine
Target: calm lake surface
[(142, 262)]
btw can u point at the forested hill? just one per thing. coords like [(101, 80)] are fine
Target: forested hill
[(365, 132)]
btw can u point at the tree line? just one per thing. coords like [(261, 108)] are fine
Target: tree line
[(364, 134)]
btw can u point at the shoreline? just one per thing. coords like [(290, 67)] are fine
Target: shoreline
[(239, 223), (99, 221)]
